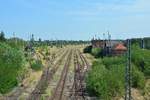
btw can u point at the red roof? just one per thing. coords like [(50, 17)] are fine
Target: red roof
[(120, 46)]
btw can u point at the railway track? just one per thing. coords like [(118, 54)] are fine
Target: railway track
[(78, 87), (16, 94), (58, 92), (77, 92), (45, 79), (85, 62)]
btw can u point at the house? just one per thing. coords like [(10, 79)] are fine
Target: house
[(119, 49)]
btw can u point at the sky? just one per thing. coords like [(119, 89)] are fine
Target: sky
[(75, 19)]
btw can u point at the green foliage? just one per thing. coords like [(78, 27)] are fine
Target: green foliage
[(138, 79), (109, 61), (36, 65), (96, 52), (141, 58), (87, 49), (139, 42), (16, 43), (147, 43), (11, 62), (147, 69), (116, 80), (107, 77), (96, 80), (2, 36), (106, 83)]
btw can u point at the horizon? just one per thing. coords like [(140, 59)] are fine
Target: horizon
[(75, 20)]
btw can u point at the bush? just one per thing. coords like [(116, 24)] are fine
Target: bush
[(106, 79), (87, 49), (109, 61), (16, 43), (147, 69), (96, 82), (11, 62), (96, 52), (138, 79), (141, 58), (36, 65), (106, 83)]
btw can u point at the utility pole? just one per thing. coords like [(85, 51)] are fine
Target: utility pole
[(104, 45), (14, 36), (109, 43), (128, 72), (142, 43)]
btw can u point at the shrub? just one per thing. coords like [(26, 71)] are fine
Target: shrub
[(87, 49), (138, 79), (36, 65), (109, 61), (11, 62), (106, 83), (141, 58), (96, 82), (16, 43), (147, 69), (96, 52)]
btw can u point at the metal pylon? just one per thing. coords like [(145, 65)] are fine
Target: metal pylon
[(128, 72)]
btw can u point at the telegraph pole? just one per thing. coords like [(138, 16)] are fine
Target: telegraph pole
[(128, 72)]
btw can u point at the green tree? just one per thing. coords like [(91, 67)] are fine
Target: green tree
[(2, 36), (96, 52), (11, 63), (40, 40)]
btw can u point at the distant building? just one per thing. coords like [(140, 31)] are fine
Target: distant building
[(119, 49), (98, 43), (110, 47)]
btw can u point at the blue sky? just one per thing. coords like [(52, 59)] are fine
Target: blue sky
[(75, 19)]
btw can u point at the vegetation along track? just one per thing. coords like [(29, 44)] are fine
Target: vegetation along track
[(85, 62), (45, 79), (17, 93), (58, 92)]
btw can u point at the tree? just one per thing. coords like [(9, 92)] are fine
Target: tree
[(11, 64), (2, 36), (40, 39), (96, 52)]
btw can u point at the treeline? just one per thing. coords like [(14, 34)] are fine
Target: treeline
[(142, 42), (36, 43), (59, 43)]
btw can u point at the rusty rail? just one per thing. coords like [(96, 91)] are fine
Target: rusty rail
[(58, 92), (45, 79)]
